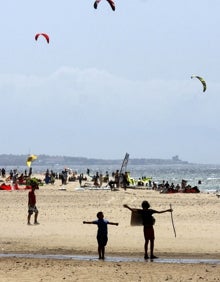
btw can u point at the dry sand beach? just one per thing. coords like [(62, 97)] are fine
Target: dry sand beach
[(61, 232)]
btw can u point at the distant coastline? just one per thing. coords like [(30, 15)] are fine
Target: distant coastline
[(19, 160)]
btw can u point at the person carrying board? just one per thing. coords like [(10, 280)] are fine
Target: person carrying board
[(147, 220)]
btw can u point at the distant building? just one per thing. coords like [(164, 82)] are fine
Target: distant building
[(176, 158)]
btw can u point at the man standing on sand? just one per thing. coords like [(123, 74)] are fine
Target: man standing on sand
[(32, 204)]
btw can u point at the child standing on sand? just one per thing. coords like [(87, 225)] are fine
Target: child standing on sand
[(148, 222), (102, 233), (32, 204)]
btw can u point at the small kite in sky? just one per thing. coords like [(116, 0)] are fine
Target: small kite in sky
[(202, 81), (43, 34), (111, 3)]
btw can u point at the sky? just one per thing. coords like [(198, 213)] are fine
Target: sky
[(111, 82)]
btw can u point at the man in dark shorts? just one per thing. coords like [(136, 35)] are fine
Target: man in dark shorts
[(148, 222), (102, 233)]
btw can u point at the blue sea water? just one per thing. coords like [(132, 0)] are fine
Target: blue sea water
[(209, 175)]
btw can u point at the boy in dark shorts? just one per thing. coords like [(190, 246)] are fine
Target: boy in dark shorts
[(148, 222), (102, 233)]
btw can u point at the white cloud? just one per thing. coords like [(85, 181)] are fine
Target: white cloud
[(76, 107)]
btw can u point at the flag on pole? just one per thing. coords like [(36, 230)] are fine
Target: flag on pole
[(30, 159)]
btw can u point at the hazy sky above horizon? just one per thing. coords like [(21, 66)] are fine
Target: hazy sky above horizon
[(111, 82)]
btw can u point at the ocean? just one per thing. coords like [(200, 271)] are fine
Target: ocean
[(209, 175)]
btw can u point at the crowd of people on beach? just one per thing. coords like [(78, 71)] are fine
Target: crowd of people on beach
[(166, 187), (14, 176), (114, 181)]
